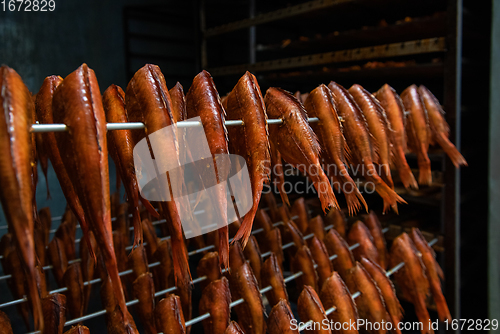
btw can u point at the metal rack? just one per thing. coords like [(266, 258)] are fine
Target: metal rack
[(278, 55)]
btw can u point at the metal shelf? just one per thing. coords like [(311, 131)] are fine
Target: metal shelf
[(428, 45), (274, 16)]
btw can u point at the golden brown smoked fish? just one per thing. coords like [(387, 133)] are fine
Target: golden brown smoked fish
[(338, 220), (169, 317), (393, 106), (321, 258), (320, 104), (78, 329), (249, 141), (336, 245), (88, 268), (296, 141), (120, 146), (360, 234), (280, 318), (371, 221), (336, 294), (165, 270), (386, 290), (277, 173), (5, 324), (77, 103), (209, 266), (54, 313), (311, 309), (252, 253), (299, 209), (57, 257), (144, 291), (75, 295), (411, 277), (370, 303), (272, 276), (358, 138), (233, 328), (147, 100), (302, 261), (433, 272), (250, 313), (215, 299), (203, 100), (317, 227), (440, 130), (418, 133), (16, 193), (45, 115), (376, 120)]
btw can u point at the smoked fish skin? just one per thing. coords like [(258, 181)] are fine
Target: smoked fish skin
[(16, 194), (439, 129), (250, 141), (321, 104), (433, 272), (417, 129), (376, 120), (360, 146), (296, 141), (77, 103), (393, 106)]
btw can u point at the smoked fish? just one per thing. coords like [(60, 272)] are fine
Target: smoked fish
[(272, 276), (311, 309), (249, 141), (393, 106), (296, 141), (358, 137), (16, 193), (215, 299), (440, 130), (203, 100), (321, 104), (418, 133), (336, 245), (371, 221), (280, 318), (360, 234), (83, 148), (169, 317)]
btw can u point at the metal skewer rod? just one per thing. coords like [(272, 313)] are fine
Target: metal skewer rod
[(139, 125)]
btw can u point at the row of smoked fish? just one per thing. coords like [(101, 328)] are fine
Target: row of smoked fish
[(79, 156), (323, 284)]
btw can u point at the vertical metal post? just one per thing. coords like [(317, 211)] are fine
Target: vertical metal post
[(252, 35), (452, 101)]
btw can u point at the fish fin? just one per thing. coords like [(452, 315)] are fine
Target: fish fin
[(149, 207), (424, 167), (386, 175), (224, 247), (347, 154), (180, 259), (388, 195), (450, 149), (326, 196), (246, 226)]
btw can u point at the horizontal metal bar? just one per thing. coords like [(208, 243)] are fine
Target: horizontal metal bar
[(273, 16), (427, 45), (139, 125)]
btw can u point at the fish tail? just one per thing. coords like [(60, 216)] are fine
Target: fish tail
[(388, 195), (180, 259), (386, 175), (224, 246), (138, 235), (404, 170), (450, 149), (324, 190), (423, 314), (34, 296), (246, 226), (424, 167), (353, 197), (395, 322), (441, 305)]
